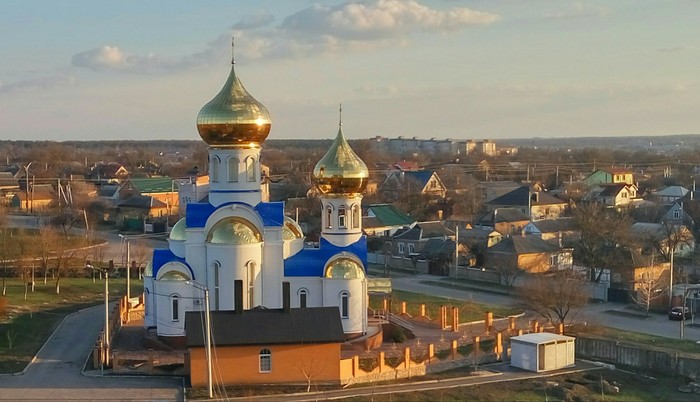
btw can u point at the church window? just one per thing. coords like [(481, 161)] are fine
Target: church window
[(175, 307), (251, 283), (344, 305), (265, 361), (217, 269), (356, 216), (250, 169), (329, 216), (303, 293), (214, 171), (232, 169), (341, 217)]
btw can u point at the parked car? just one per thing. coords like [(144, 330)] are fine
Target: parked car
[(677, 313)]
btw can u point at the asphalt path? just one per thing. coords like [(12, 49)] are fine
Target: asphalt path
[(55, 373)]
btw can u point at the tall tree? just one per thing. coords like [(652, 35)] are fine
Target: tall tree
[(600, 227), (3, 232)]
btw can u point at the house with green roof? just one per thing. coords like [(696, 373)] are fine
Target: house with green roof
[(162, 189), (384, 220)]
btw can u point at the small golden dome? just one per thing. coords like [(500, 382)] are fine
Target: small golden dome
[(341, 171), (344, 266), (233, 118)]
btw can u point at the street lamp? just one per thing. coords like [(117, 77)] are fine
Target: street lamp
[(26, 190), (128, 272), (207, 325), (106, 272)]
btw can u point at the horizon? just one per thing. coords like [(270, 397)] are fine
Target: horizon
[(430, 68)]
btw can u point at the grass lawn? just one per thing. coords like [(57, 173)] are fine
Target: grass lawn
[(28, 323), (468, 311), (636, 338)]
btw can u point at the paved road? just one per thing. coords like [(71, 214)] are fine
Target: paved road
[(56, 372), (606, 314)]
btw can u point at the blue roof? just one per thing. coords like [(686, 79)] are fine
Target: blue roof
[(312, 261), (421, 176), (272, 213), (162, 256)]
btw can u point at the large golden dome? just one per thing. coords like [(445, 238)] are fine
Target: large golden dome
[(233, 118), (341, 171)]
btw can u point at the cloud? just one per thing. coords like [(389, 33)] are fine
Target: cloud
[(348, 27), (260, 20), (39, 83), (381, 19), (113, 58), (581, 9)]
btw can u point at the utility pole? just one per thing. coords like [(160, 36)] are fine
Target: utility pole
[(207, 324), (26, 180)]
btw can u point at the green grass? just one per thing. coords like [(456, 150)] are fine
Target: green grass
[(31, 321), (636, 338), (468, 311)]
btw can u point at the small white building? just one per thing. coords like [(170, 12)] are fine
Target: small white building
[(542, 351)]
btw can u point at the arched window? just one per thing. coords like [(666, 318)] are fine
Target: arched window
[(217, 269), (214, 170), (265, 361), (250, 269), (341, 217), (250, 169), (232, 169), (175, 307), (329, 217), (302, 297), (356, 215), (344, 304)]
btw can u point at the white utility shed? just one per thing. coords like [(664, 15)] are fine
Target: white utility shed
[(542, 351)]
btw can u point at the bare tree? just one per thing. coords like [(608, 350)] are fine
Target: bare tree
[(47, 242), (650, 288), (555, 297), (599, 228), (140, 253), (506, 266), (310, 367), (63, 255)]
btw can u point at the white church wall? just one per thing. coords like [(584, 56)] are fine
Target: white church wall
[(313, 287), (149, 319), (333, 290), (247, 191), (170, 323), (235, 264)]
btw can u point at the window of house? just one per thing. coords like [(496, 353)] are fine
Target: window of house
[(676, 214), (411, 248), (232, 169), (250, 169), (344, 305), (214, 171), (175, 307), (302, 297), (329, 216), (553, 260), (401, 245), (341, 217), (265, 361)]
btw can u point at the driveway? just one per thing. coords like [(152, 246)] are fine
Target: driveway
[(55, 374)]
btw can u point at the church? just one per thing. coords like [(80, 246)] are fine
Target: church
[(243, 250)]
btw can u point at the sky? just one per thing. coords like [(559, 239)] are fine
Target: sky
[(460, 69)]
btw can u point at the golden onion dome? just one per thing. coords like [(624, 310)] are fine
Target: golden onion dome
[(341, 171), (344, 266), (233, 118), (234, 230)]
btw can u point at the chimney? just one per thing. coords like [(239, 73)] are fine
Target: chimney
[(285, 297), (238, 296)]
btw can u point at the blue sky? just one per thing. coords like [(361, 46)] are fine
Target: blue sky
[(83, 70)]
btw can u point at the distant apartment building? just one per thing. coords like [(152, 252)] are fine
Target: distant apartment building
[(403, 145)]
